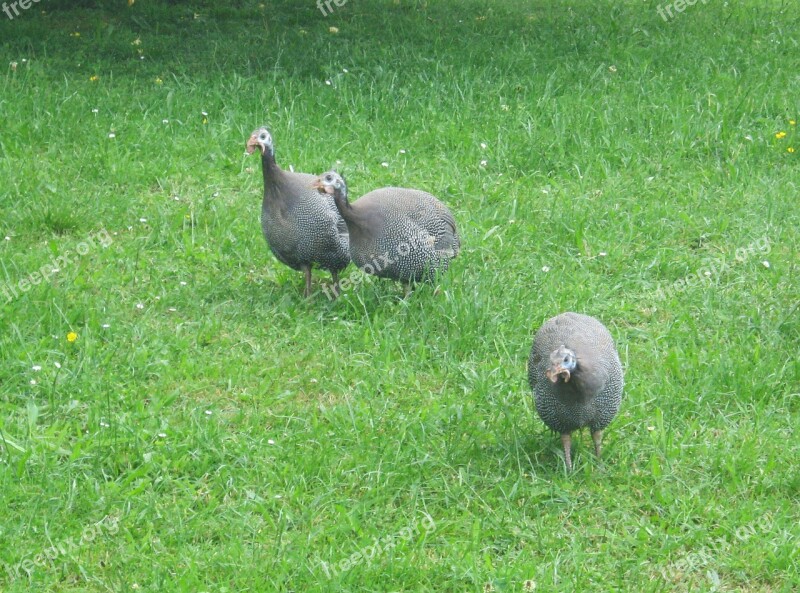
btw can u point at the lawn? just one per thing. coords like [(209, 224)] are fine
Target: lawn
[(175, 416)]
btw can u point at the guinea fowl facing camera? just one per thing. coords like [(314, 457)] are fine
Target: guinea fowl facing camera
[(576, 376), (301, 229), (401, 234)]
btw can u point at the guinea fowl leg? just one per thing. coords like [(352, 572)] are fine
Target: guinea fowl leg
[(566, 442), (307, 272), (335, 276), (597, 437)]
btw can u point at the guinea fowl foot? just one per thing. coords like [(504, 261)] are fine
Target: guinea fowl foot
[(307, 272), (597, 437), (566, 442), (335, 287)]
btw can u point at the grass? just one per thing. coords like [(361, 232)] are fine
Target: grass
[(211, 430)]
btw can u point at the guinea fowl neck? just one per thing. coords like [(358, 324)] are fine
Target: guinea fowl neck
[(269, 168), (343, 205), (579, 388)]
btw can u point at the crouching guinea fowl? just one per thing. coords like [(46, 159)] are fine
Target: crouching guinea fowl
[(402, 234), (301, 229), (576, 376)]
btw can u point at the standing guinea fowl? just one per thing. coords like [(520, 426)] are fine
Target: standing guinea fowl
[(576, 377), (301, 229), (401, 234)]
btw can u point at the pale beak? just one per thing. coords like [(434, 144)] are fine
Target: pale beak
[(557, 371), (252, 145)]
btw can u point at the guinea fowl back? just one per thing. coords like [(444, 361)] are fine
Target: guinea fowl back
[(410, 227)]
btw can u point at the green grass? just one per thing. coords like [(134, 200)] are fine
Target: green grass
[(224, 434)]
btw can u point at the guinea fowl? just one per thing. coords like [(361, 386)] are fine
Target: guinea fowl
[(576, 376), (401, 234), (302, 230)]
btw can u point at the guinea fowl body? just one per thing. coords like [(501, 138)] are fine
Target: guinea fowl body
[(302, 230), (576, 376), (401, 234)]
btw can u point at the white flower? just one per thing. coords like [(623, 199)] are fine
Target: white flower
[(402, 151), (142, 220), (545, 269), (209, 412), (36, 367), (139, 306), (33, 381), (765, 263), (384, 164), (8, 238), (504, 107), (204, 113), (104, 424), (164, 121), (270, 442), (95, 110), (172, 309), (484, 163), (602, 254), (483, 145), (57, 365), (328, 82), (345, 70), (162, 435), (183, 283), (112, 135), (106, 325)]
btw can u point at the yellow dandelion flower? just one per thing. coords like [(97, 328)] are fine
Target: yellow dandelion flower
[(72, 336), (94, 78), (780, 135), (792, 122), (75, 34), (790, 149), (333, 29), (159, 81)]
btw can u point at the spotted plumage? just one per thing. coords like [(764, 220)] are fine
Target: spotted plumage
[(401, 234), (302, 230), (576, 376)]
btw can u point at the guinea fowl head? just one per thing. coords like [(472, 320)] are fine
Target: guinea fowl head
[(562, 364), (262, 140), (331, 183)]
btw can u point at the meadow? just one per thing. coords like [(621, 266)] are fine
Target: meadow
[(175, 416)]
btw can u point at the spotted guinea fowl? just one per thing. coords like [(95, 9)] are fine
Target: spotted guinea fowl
[(302, 230), (401, 234), (576, 376)]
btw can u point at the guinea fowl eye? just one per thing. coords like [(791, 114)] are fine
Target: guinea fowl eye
[(329, 178), (263, 137), (566, 358)]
